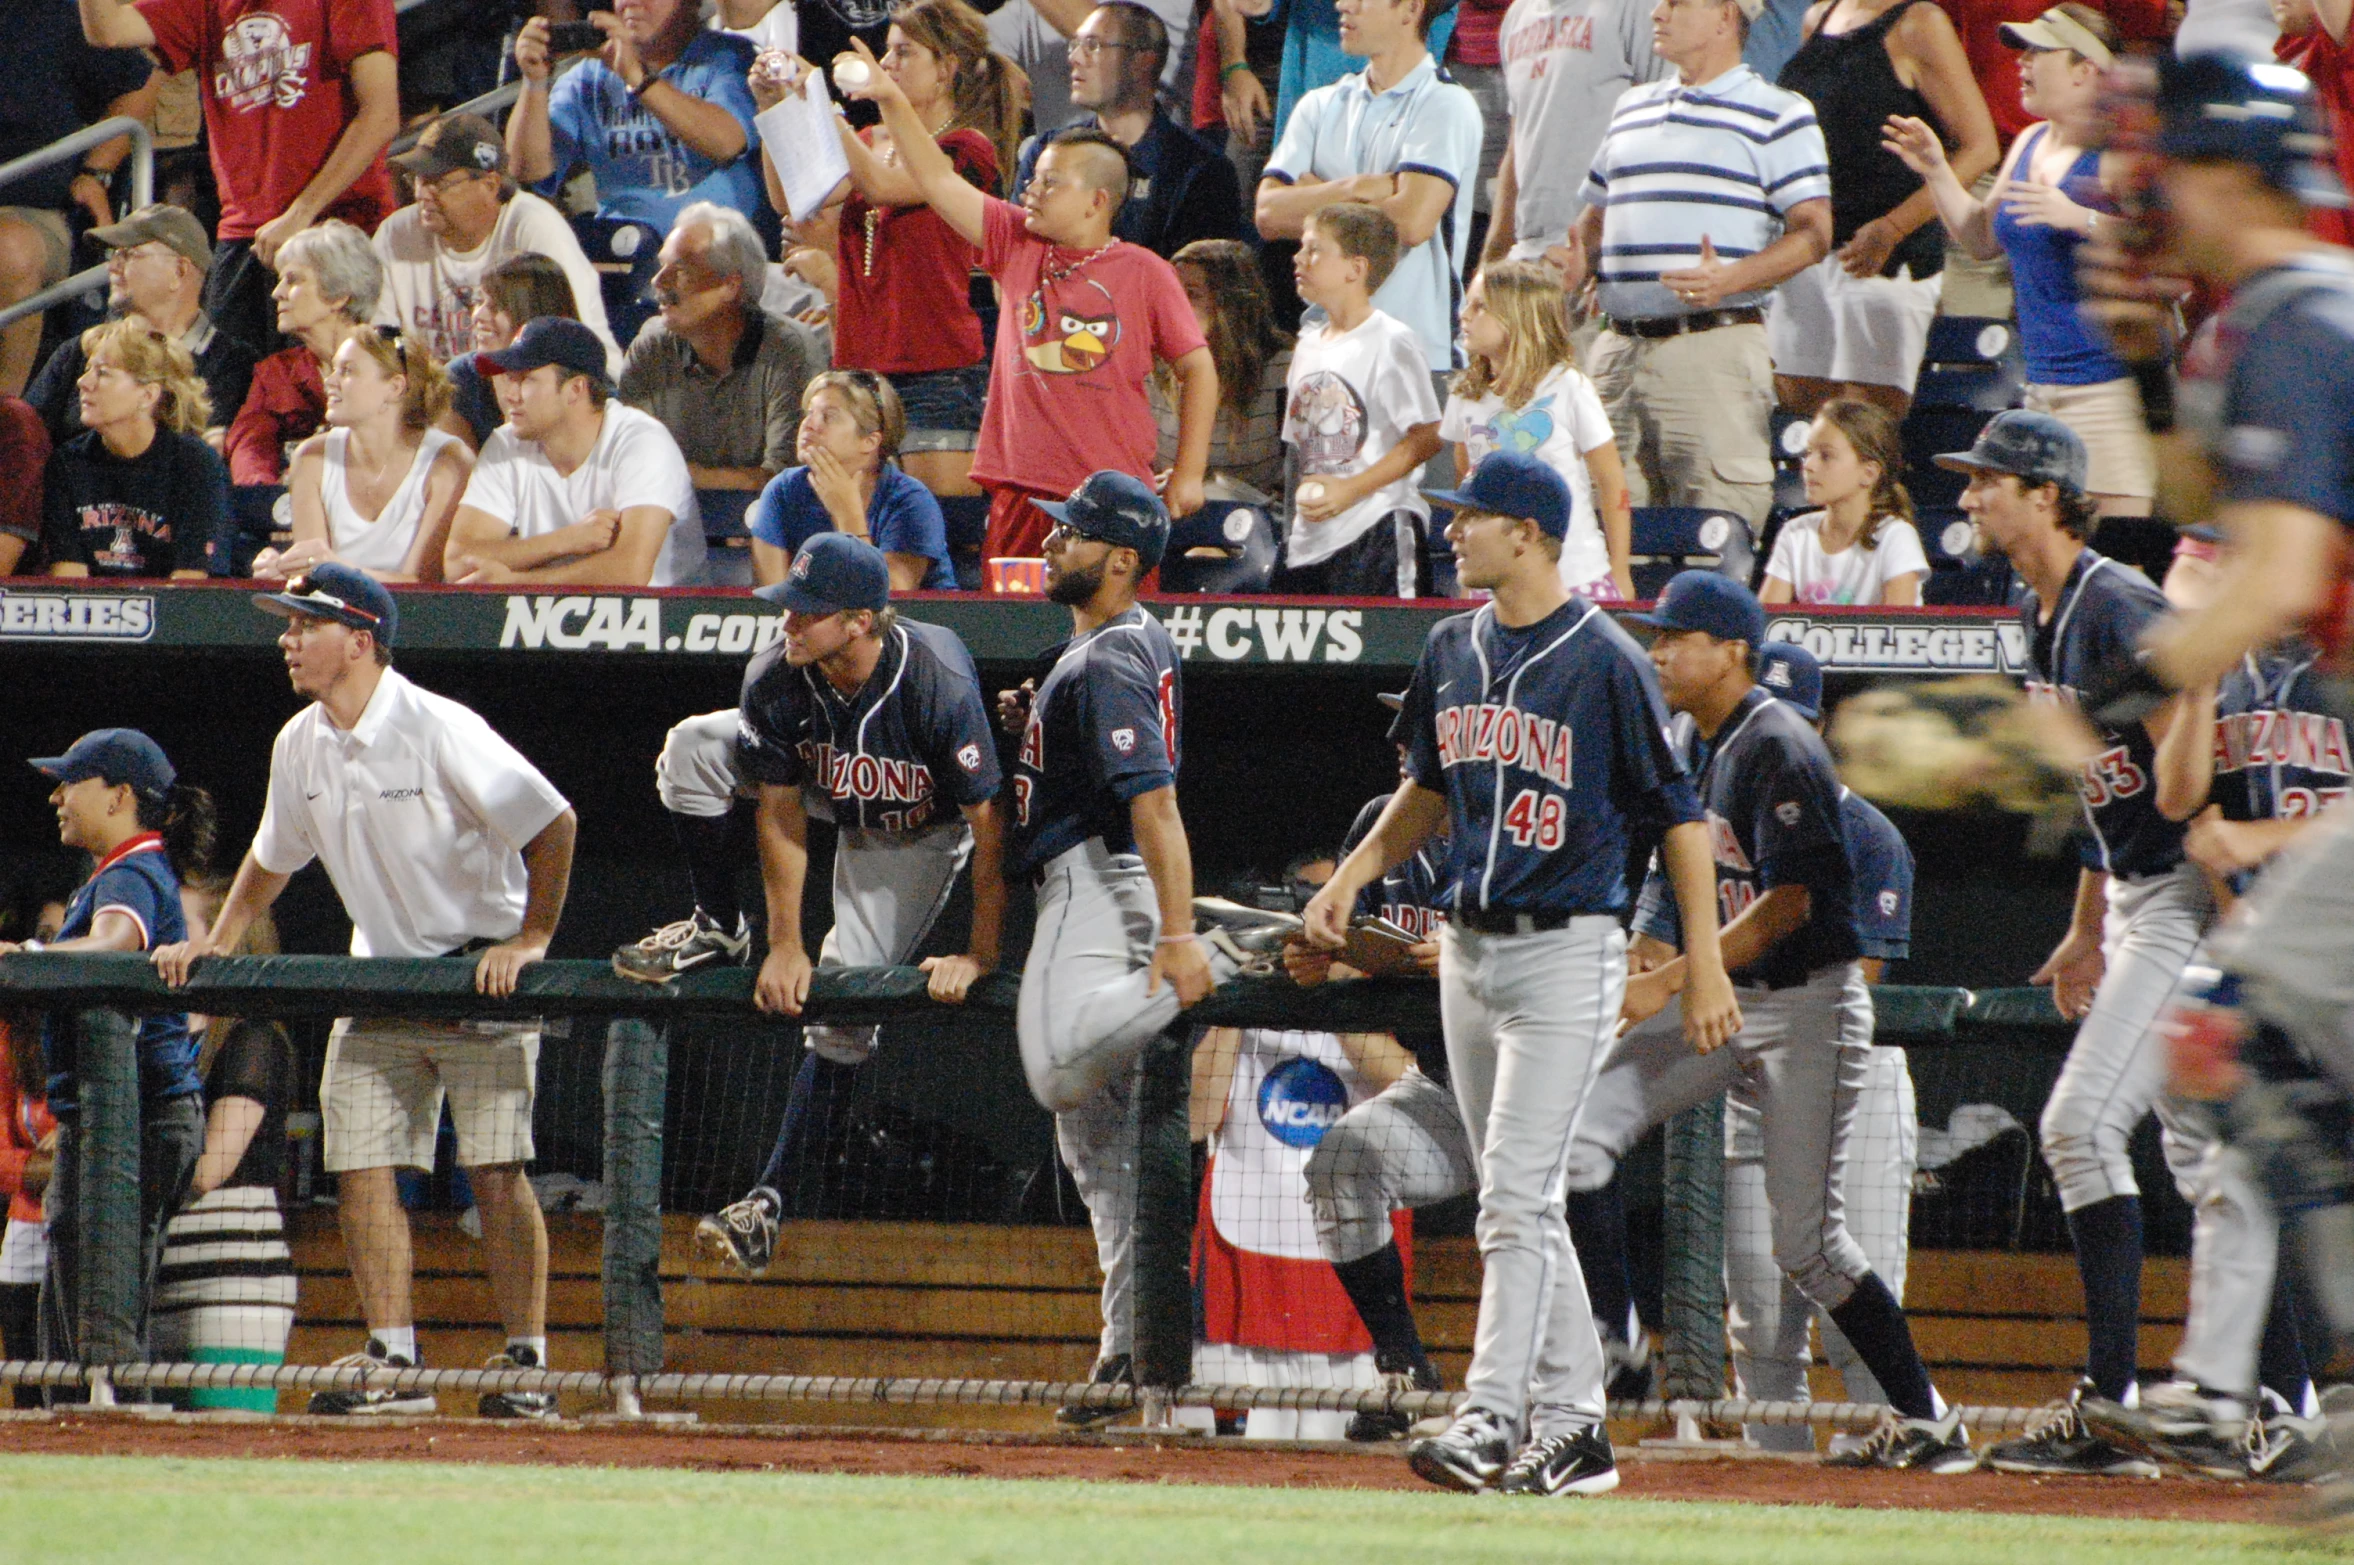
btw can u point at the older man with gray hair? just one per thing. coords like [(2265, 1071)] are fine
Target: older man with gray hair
[(722, 374)]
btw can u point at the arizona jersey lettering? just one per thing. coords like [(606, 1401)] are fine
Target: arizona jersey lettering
[(2104, 607), (1547, 741), (1877, 859), (1102, 732), (911, 746)]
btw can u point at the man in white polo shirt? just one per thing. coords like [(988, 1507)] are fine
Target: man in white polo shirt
[(1398, 135), (1565, 64), (1708, 191), (575, 487), (439, 839)]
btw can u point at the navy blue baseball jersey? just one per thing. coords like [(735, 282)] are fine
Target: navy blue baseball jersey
[(2269, 385), (1876, 857), (910, 745), (1548, 742), (137, 881), (2104, 607), (1102, 733), (2280, 746), (1415, 896)]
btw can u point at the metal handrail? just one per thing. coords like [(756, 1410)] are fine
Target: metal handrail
[(488, 104), (73, 146)]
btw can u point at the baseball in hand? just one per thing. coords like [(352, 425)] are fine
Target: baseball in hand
[(851, 73), (1311, 493)]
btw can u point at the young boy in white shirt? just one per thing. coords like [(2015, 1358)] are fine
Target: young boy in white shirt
[(1360, 417)]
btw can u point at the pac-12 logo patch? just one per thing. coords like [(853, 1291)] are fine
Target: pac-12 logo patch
[(969, 757), (1888, 904), (1787, 814), (1300, 1100), (1124, 740)]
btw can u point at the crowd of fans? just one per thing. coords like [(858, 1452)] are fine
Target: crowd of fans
[(1307, 255)]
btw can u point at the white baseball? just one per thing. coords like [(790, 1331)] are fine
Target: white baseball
[(850, 75), (1312, 493)]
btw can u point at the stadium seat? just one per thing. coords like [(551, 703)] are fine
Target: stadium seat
[(1789, 442), (967, 516), (1238, 544), (1928, 433), (1671, 538), (625, 254), (1959, 576), (729, 563), (1971, 362)]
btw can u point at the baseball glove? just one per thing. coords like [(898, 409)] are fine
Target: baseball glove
[(1960, 744)]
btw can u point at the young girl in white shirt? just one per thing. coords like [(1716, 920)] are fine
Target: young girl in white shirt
[(1524, 392), (1861, 547)]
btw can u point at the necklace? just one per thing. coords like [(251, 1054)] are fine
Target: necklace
[(1056, 274)]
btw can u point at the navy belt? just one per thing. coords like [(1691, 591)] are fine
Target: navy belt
[(1490, 921)]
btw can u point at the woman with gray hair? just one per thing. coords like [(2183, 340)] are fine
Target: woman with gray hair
[(329, 278)]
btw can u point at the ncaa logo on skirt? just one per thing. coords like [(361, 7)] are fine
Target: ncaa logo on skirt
[(1300, 1100)]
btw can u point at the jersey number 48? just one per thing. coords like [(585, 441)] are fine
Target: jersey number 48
[(1534, 818)]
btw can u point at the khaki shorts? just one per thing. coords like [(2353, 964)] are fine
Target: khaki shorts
[(1691, 415), (2107, 417), (381, 1097), (55, 235)]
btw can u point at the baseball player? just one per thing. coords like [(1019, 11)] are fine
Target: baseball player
[(1113, 956), (1766, 1313), (1536, 746), (2240, 152), (876, 724), (1785, 889), (2140, 906), (2254, 761), (1404, 1147), (440, 840)]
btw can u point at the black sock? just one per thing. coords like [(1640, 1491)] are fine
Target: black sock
[(1376, 1284), (2108, 1257), (708, 841), (1598, 1230), (814, 1111), (2280, 1359), (1875, 1327)]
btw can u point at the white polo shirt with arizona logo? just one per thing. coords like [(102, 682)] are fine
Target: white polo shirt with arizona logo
[(420, 814)]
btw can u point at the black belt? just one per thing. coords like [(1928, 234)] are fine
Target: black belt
[(1490, 921), (1677, 325)]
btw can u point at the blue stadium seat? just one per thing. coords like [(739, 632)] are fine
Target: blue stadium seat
[(1958, 574), (1670, 538), (1928, 433), (1789, 433), (967, 516), (1240, 544), (1971, 362), (626, 255)]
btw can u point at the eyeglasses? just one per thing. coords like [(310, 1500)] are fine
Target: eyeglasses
[(450, 181), (1064, 533), (1088, 48), (152, 251)]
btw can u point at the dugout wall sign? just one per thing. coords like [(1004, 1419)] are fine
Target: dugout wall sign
[(716, 625)]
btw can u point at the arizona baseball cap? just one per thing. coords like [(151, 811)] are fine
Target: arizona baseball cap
[(2035, 446), (116, 756), (550, 339), (833, 572), (1794, 675), (1118, 509), (165, 224), (2222, 108), (457, 141), (341, 593), (1705, 601), (1509, 483), (2056, 29)]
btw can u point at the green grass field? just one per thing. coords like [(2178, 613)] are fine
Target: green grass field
[(180, 1512)]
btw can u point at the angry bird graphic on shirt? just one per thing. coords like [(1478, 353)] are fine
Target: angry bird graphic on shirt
[(1074, 332)]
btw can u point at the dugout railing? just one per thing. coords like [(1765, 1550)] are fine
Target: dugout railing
[(104, 994)]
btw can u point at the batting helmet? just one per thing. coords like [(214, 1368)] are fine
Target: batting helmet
[(2223, 108)]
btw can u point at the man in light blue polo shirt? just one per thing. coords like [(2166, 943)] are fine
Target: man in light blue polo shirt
[(1707, 193), (1398, 135)]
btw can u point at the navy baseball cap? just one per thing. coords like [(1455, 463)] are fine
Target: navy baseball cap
[(2223, 108), (1511, 484), (342, 593), (549, 339), (1119, 510), (1794, 675), (833, 572), (1705, 601), (2037, 447), (115, 755)]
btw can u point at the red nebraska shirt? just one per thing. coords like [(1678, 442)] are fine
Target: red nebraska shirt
[(276, 80), (2330, 66), (1066, 388), (912, 311)]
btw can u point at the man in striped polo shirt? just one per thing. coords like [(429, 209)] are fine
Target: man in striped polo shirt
[(1708, 191)]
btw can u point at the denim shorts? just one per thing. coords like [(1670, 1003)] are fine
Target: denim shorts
[(943, 406)]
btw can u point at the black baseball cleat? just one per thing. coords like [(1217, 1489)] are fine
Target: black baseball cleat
[(516, 1404), (692, 942), (366, 1402), (2061, 1442), (1251, 931), (1468, 1455), (1576, 1461), (1389, 1423), (1921, 1445), (2178, 1425), (740, 1236), (1117, 1370)]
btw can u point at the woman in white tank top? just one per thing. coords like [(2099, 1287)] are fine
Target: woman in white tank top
[(376, 489)]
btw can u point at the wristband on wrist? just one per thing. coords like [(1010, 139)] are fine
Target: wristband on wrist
[(1174, 940), (1238, 65)]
